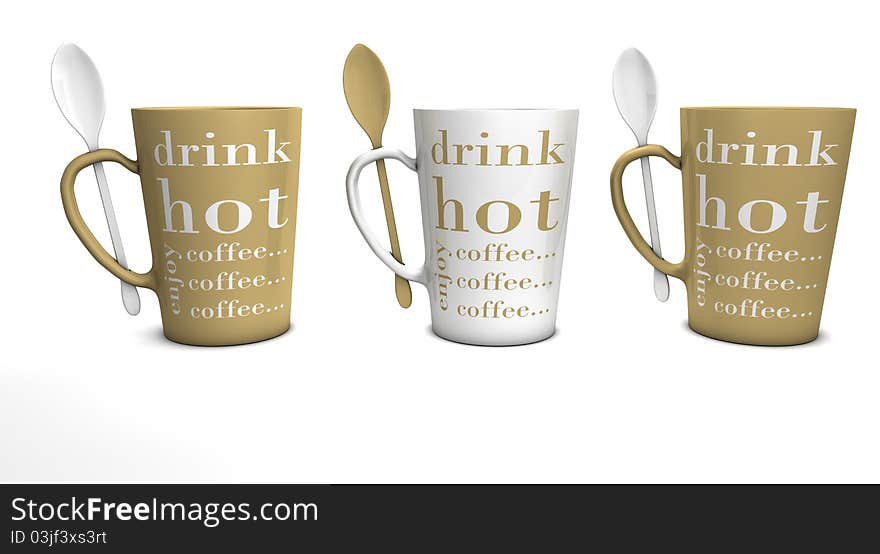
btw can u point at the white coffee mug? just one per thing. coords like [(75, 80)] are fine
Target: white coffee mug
[(494, 188)]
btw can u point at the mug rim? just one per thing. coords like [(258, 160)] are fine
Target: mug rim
[(765, 108), (213, 108), (492, 110)]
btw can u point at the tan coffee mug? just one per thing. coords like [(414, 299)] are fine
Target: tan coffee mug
[(220, 194), (762, 192)]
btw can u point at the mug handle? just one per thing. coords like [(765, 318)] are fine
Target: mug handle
[(71, 210), (632, 232), (354, 205)]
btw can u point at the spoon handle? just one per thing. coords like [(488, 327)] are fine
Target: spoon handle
[(401, 286), (661, 282), (130, 297)]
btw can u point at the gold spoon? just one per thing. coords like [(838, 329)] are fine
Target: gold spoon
[(369, 98)]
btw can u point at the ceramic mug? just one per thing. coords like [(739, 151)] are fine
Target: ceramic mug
[(762, 192), (494, 188), (220, 194)]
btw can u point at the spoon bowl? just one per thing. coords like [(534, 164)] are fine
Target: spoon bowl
[(367, 91), (635, 92)]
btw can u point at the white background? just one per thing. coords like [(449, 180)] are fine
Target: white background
[(360, 390)]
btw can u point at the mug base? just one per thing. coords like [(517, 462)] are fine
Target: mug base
[(249, 340), (493, 342), (794, 342)]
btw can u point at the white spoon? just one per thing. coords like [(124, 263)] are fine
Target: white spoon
[(635, 93), (77, 87)]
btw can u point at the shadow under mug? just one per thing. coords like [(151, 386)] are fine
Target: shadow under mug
[(494, 188), (762, 192), (220, 194)]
